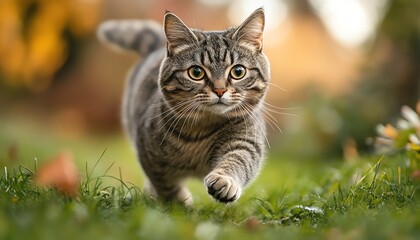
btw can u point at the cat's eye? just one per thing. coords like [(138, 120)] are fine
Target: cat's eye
[(237, 72), (196, 73)]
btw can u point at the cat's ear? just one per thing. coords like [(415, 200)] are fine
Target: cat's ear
[(177, 33), (250, 33)]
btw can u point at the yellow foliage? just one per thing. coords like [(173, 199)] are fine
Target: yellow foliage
[(32, 44)]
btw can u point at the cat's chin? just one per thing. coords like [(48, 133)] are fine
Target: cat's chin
[(219, 108)]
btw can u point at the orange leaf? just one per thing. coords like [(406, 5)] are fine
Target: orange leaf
[(60, 173)]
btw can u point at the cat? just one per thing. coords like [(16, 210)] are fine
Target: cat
[(192, 106)]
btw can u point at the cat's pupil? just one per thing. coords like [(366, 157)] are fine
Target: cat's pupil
[(238, 71), (197, 72)]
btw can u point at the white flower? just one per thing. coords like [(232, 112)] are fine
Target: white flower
[(403, 124), (389, 136), (410, 115), (413, 138)]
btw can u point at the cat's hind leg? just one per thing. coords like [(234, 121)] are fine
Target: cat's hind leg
[(169, 191)]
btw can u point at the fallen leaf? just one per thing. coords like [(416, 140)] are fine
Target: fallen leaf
[(60, 173), (416, 175), (252, 224)]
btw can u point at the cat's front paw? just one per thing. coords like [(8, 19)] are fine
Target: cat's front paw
[(223, 188)]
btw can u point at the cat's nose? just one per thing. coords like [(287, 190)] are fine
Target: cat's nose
[(219, 91)]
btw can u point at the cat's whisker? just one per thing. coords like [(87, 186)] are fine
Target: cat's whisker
[(268, 109), (177, 118), (187, 118), (277, 86), (171, 120), (174, 111), (271, 110), (281, 108), (256, 121), (191, 117), (271, 120), (171, 110), (174, 117), (194, 117)]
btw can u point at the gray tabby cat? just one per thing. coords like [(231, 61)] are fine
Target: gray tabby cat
[(192, 105)]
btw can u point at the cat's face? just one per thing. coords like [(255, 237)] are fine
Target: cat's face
[(221, 73)]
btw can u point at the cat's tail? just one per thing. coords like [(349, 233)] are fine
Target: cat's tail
[(139, 36)]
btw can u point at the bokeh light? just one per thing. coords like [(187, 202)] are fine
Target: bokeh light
[(351, 22)]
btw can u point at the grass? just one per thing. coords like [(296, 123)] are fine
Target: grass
[(371, 198), (368, 200)]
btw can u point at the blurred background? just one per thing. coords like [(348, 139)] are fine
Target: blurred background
[(339, 67)]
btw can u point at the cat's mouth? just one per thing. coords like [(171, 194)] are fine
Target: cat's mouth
[(220, 106), (221, 102)]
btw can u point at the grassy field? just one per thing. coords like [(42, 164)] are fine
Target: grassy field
[(373, 197)]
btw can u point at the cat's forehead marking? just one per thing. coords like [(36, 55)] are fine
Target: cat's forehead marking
[(215, 52)]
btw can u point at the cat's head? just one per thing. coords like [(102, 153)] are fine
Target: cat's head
[(217, 72)]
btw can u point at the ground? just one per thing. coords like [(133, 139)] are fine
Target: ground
[(371, 197)]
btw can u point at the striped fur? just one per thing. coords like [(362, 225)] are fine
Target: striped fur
[(181, 127), (142, 37)]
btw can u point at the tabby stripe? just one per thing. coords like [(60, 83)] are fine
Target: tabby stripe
[(186, 49), (216, 50), (251, 82), (222, 145), (209, 56), (202, 58), (171, 77), (254, 144), (204, 42), (260, 75), (186, 138), (177, 90), (240, 162), (257, 89), (232, 57), (226, 49), (225, 54), (155, 43), (225, 41), (247, 167), (238, 146), (132, 80)]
